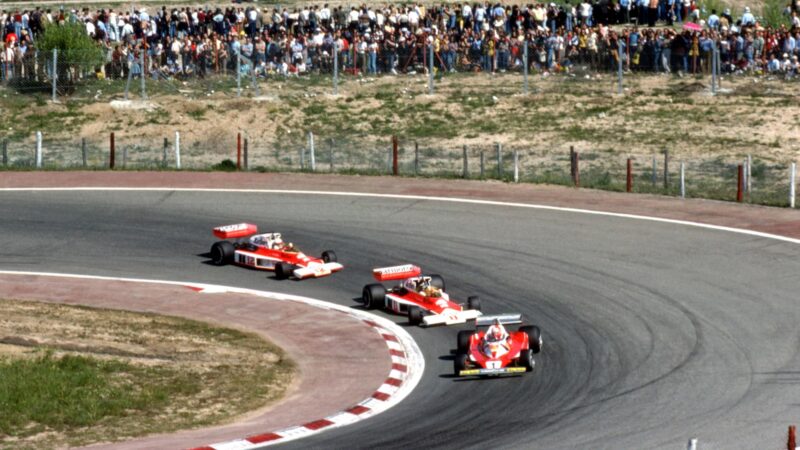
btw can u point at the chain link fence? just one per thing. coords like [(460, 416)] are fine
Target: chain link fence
[(765, 181)]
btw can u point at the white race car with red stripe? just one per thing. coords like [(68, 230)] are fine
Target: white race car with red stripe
[(268, 251), (422, 298)]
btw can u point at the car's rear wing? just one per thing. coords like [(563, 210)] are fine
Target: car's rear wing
[(396, 272), (505, 319), (235, 231)]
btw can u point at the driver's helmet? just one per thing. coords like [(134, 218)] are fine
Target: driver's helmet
[(277, 243), (497, 334)]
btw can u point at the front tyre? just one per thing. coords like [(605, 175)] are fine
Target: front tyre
[(534, 337), (329, 256), (474, 302), (373, 296), (415, 316), (462, 341), (222, 253), (526, 360), (283, 270), (459, 363)]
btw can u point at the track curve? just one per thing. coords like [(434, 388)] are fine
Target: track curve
[(654, 332)]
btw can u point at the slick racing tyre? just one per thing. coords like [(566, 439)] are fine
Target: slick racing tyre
[(534, 337), (415, 315), (283, 270), (222, 253), (459, 363), (437, 281), (373, 296), (329, 256), (462, 341), (474, 302), (526, 359)]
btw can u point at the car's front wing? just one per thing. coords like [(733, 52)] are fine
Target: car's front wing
[(500, 371)]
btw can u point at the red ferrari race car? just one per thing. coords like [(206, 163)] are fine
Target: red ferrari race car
[(267, 251), (495, 351), (422, 298)]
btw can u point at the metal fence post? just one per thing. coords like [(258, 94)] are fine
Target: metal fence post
[(483, 163), (666, 168), (128, 82), (83, 152), (164, 155), (143, 74), (714, 68), (683, 181), (311, 149), (246, 163), (330, 154), (516, 166), (335, 69), (619, 66), (178, 150), (112, 151), (525, 65), (55, 73), (719, 68), (739, 182), (5, 152), (629, 176), (499, 147), (430, 70), (253, 80), (238, 151), (238, 75), (38, 149), (302, 158), (792, 184), (655, 169), (465, 166), (416, 158), (395, 150), (749, 174)]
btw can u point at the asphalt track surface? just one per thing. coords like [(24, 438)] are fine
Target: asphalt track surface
[(654, 333)]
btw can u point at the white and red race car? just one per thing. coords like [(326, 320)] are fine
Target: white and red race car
[(422, 298), (495, 351), (268, 251)]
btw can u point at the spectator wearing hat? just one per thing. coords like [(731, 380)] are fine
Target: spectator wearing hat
[(748, 19)]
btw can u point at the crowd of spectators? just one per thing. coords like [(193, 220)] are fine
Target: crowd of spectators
[(666, 36)]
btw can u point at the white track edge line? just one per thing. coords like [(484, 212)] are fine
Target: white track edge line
[(430, 198), (414, 358)]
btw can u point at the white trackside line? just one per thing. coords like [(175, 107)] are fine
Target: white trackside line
[(414, 360), (429, 198)]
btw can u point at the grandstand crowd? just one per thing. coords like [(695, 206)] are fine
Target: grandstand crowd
[(665, 36)]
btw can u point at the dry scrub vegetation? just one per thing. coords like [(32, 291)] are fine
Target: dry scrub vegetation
[(75, 375)]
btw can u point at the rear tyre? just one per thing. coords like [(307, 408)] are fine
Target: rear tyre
[(222, 253), (415, 315), (329, 256), (283, 270), (534, 337), (437, 281), (526, 359), (459, 363), (462, 343), (373, 296), (474, 302)]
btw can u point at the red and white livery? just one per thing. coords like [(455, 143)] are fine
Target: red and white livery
[(268, 251), (422, 298), (495, 351)]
